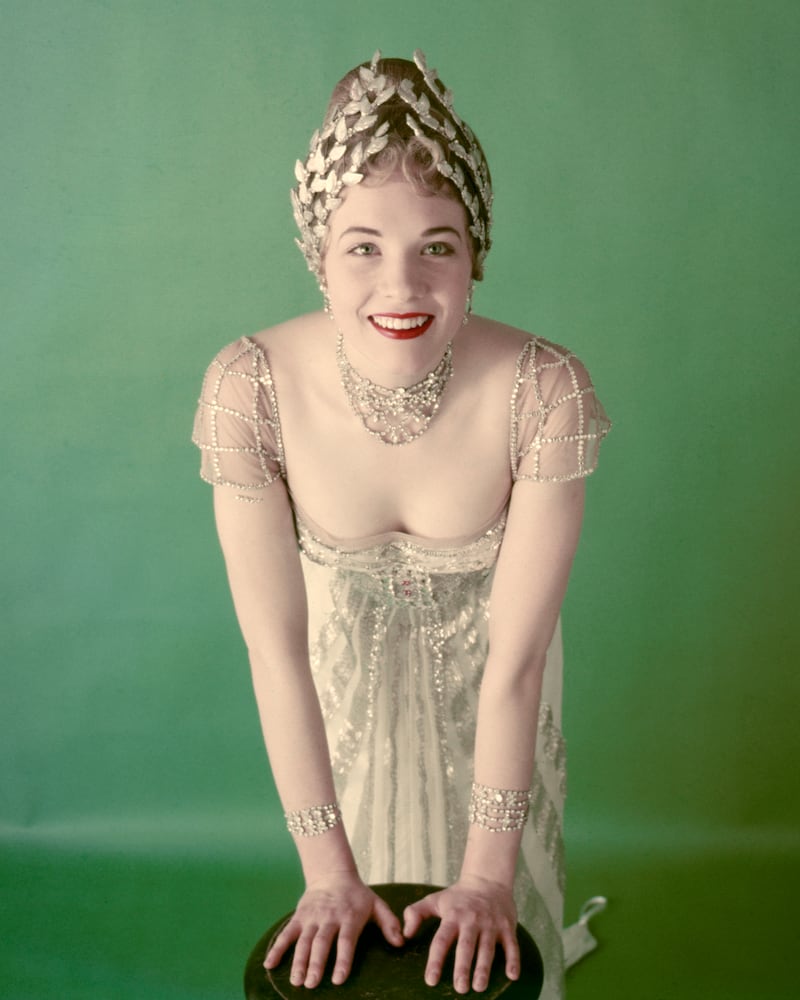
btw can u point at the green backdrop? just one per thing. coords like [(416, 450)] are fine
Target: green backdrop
[(645, 158)]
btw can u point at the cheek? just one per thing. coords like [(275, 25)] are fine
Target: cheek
[(462, 281), (343, 285)]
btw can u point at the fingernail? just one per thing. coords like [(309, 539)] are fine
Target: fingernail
[(462, 985)]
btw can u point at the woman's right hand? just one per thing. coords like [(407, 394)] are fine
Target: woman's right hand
[(335, 907)]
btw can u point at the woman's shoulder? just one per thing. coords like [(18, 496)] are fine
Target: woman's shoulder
[(291, 336), (557, 420), (500, 346), (538, 371), (490, 349), (537, 354), (509, 341), (273, 341), (255, 357), (496, 336)]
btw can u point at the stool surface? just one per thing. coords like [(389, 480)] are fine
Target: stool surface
[(383, 972)]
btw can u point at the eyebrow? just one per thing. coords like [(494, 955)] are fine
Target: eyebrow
[(433, 231)]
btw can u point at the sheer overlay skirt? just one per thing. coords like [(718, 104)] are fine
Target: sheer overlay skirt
[(398, 649)]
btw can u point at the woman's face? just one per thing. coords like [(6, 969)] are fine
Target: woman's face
[(398, 267)]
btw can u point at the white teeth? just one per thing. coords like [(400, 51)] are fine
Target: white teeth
[(394, 323)]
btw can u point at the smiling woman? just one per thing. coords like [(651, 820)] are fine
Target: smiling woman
[(400, 276), (399, 495)]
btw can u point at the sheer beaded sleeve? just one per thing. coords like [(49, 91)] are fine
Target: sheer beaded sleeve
[(557, 421), (236, 426)]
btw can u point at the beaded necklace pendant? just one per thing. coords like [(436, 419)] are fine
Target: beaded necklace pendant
[(394, 416)]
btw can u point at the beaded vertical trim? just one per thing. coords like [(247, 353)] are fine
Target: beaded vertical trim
[(313, 821)]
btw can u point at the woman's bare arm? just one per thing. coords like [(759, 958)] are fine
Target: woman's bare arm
[(531, 577), (260, 548)]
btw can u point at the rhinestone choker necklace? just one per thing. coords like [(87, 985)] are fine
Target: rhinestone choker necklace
[(396, 416)]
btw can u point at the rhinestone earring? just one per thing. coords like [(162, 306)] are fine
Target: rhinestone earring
[(468, 305), (326, 299)]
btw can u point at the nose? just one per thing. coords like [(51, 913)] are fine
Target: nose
[(402, 277)]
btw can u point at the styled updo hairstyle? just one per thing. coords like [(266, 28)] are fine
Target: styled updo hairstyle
[(386, 117)]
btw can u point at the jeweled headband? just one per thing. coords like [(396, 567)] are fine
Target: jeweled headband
[(360, 129)]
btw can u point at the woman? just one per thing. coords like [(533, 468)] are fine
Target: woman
[(385, 471)]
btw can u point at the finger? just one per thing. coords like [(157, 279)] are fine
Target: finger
[(441, 944), (282, 944), (483, 963), (387, 921), (345, 950), (302, 951), (510, 943), (465, 952), (318, 956), (414, 914)]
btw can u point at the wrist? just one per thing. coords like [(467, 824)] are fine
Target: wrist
[(497, 817), (332, 878), (491, 856), (321, 841), (326, 855), (482, 882)]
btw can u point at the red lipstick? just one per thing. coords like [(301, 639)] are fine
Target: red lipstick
[(402, 326)]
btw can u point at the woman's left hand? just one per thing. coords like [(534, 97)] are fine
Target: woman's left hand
[(476, 915)]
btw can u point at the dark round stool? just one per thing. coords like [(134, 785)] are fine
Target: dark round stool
[(382, 972)]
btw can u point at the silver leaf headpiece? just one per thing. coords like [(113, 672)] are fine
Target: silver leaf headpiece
[(359, 129)]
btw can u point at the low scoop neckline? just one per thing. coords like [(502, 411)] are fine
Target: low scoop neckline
[(396, 537)]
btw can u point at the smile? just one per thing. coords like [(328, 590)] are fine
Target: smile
[(401, 326)]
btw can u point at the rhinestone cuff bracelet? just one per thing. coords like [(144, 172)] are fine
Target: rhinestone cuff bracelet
[(314, 820), (499, 810)]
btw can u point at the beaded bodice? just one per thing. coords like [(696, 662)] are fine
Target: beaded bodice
[(397, 548), (399, 569)]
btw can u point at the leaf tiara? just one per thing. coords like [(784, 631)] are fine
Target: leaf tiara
[(335, 160)]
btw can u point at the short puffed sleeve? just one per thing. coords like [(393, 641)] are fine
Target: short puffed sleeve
[(236, 426), (557, 421)]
